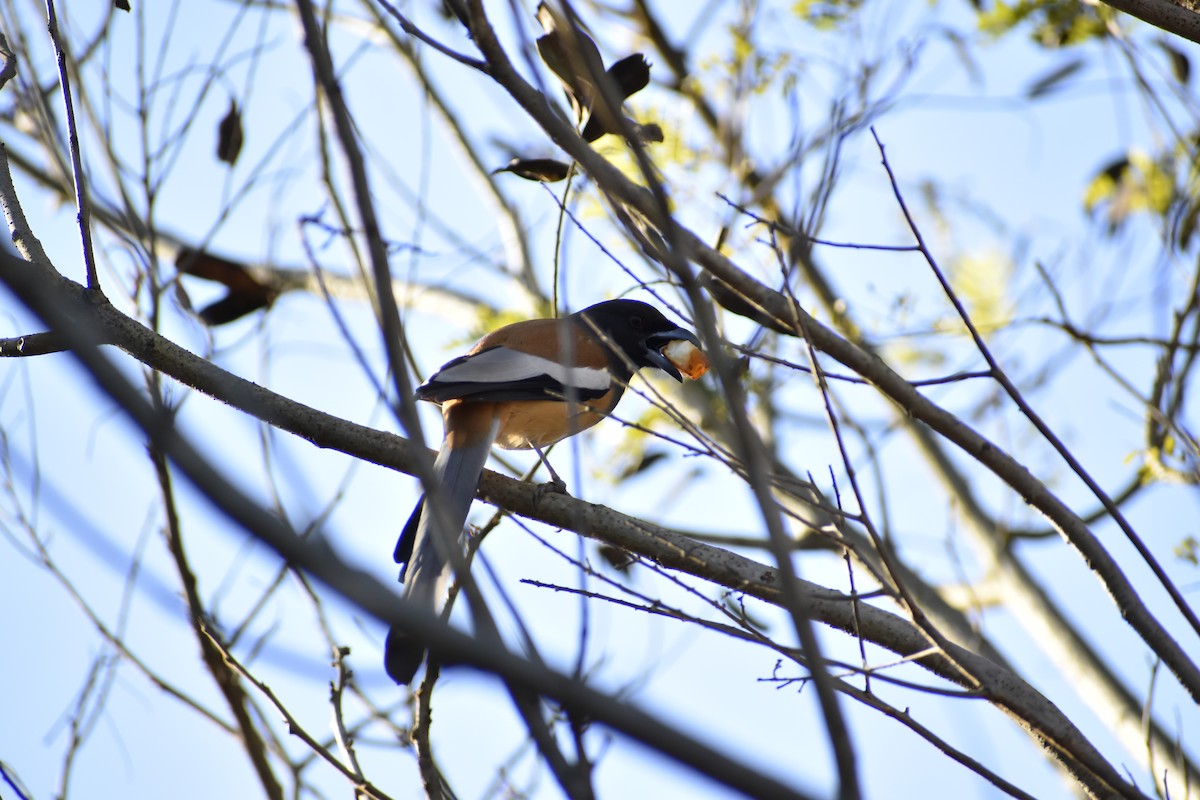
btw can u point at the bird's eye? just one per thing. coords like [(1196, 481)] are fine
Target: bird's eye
[(636, 322)]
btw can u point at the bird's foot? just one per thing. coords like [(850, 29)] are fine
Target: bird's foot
[(555, 485)]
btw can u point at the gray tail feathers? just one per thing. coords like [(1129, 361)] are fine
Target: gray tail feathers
[(424, 547)]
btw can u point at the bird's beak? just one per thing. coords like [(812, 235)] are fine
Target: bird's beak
[(655, 342)]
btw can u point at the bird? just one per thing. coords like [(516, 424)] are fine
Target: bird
[(523, 386), (575, 60)]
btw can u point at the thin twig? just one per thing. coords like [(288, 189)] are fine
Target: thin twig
[(412, 30), (337, 689), (390, 328), (293, 725), (223, 676), (787, 230), (23, 238), (13, 781), (81, 198), (1018, 398), (886, 554), (432, 777), (60, 303)]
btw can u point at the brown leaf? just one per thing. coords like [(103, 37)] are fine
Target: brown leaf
[(1055, 79), (615, 557), (542, 170), (246, 293), (572, 56), (229, 135), (650, 132), (646, 462), (628, 76), (456, 9), (1186, 228), (731, 300), (631, 74), (1181, 66), (203, 264)]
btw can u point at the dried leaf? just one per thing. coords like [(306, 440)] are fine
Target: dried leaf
[(229, 308), (1054, 80), (631, 74), (246, 293), (230, 135), (1187, 225), (650, 132), (645, 461), (542, 170), (1181, 66), (573, 57), (615, 557)]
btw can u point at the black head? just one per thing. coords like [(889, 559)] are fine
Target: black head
[(637, 332)]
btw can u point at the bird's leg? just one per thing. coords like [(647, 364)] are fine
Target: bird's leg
[(555, 484)]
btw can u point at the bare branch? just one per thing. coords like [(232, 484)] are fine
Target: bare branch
[(1173, 16), (81, 194)]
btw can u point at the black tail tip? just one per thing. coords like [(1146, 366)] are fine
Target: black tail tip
[(402, 657)]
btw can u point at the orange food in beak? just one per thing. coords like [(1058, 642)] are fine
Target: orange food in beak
[(687, 358)]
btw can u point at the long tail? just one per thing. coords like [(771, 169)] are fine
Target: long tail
[(423, 549)]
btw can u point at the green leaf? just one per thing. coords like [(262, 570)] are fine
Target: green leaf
[(982, 281), (1052, 23), (1188, 550), (825, 15), (1131, 184)]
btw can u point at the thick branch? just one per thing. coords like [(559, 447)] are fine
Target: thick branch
[(58, 299), (780, 312), (1170, 16), (80, 316)]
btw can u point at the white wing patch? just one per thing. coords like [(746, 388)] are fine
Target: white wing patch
[(502, 365)]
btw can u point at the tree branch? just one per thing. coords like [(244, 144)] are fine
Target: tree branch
[(1170, 16), (59, 301)]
